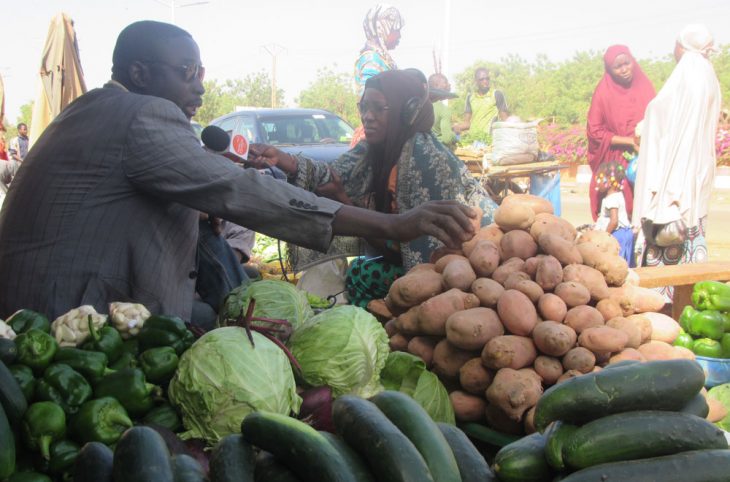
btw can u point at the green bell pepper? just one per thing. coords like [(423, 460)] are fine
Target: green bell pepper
[(131, 346), (91, 364), (705, 324), (711, 295), (707, 347), (24, 320), (127, 360), (129, 387), (29, 477), (159, 364), (24, 376), (43, 424), (106, 340), (65, 386), (725, 343), (36, 349), (685, 340), (164, 415), (165, 331), (726, 322), (101, 420), (63, 455)]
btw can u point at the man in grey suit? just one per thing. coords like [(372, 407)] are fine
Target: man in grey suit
[(105, 206)]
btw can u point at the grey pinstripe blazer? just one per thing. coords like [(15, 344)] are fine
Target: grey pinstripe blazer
[(105, 208)]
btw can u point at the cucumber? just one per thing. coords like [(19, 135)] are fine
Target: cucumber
[(523, 461), (389, 453), (488, 435), (28, 477), (187, 469), (472, 466), (7, 446), (94, 463), (232, 460), (658, 385), (640, 435), (620, 364), (356, 463), (697, 406), (141, 456), (557, 434), (419, 427), (269, 470), (8, 351), (694, 466), (298, 446), (11, 396)]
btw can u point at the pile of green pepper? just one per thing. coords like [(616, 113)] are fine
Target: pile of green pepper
[(90, 393), (706, 325)]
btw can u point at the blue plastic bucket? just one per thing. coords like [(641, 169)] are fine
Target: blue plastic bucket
[(547, 186)]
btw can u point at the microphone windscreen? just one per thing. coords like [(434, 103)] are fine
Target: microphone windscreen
[(215, 138)]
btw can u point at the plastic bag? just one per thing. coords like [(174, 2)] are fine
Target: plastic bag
[(514, 143)]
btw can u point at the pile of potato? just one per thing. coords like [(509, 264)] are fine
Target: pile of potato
[(525, 304)]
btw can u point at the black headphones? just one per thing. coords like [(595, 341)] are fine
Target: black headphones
[(414, 105)]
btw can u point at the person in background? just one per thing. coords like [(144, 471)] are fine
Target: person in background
[(399, 165), (613, 217), (482, 108), (18, 148), (677, 159), (116, 184), (3, 147), (439, 90), (382, 26), (618, 104)]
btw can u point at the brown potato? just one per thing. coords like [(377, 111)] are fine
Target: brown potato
[(474, 376), (627, 354), (573, 293), (422, 347), (433, 313), (390, 328), (644, 324), (549, 369), (444, 261), (467, 407), (407, 323), (552, 307), (531, 265), (588, 277), (518, 244), (488, 291), (553, 338), (549, 273), (663, 327), (681, 352), (603, 339), (657, 350), (471, 329), (448, 359), (614, 267), (580, 359), (563, 250), (529, 421), (609, 309), (514, 278), (499, 421), (412, 289), (484, 258), (531, 289), (545, 223), (516, 216), (501, 274), (717, 410), (489, 233), (422, 267), (509, 351), (629, 327), (514, 391), (398, 342), (459, 274), (583, 317), (536, 203), (568, 375), (602, 240), (517, 312)]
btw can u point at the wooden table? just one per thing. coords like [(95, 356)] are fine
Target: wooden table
[(682, 277)]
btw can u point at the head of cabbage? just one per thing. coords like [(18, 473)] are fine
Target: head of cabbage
[(222, 378), (345, 348), (275, 299)]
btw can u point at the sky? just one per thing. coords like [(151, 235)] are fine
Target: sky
[(308, 35)]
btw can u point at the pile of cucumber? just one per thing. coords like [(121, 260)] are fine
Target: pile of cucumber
[(628, 422)]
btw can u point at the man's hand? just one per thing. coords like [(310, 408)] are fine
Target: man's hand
[(267, 156), (448, 221)]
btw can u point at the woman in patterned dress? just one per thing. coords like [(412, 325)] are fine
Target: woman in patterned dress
[(399, 165)]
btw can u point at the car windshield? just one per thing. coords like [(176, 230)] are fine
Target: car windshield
[(305, 129)]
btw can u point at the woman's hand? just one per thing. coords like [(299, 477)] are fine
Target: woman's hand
[(262, 156)]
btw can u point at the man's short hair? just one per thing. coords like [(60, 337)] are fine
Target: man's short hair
[(22, 124), (437, 81), (481, 69), (138, 41)]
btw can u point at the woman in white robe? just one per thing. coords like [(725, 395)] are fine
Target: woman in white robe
[(676, 165)]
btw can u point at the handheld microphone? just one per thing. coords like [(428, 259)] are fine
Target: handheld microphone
[(218, 140)]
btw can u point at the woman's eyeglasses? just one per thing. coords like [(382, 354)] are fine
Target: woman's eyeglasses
[(376, 109), (189, 72)]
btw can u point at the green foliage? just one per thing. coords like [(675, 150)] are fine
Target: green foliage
[(222, 98), (26, 115), (334, 92)]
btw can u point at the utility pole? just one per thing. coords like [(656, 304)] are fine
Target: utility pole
[(274, 50), (172, 6)]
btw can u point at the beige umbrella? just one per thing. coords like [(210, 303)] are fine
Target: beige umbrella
[(61, 77)]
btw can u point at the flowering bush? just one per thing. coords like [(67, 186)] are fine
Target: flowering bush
[(722, 145)]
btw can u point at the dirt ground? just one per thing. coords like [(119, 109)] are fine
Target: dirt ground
[(575, 208)]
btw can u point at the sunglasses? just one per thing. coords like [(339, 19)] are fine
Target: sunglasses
[(188, 72), (376, 109)]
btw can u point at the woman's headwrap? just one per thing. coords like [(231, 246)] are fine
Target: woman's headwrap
[(379, 22), (696, 37)]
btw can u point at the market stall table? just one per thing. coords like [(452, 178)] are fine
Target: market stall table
[(682, 278)]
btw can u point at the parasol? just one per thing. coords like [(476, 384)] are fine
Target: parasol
[(61, 77)]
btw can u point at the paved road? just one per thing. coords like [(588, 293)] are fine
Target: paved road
[(576, 210)]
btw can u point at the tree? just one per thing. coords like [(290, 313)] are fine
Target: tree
[(333, 92), (25, 117), (221, 98)]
